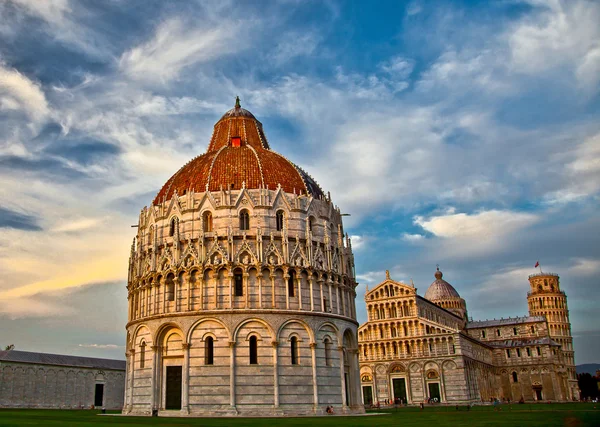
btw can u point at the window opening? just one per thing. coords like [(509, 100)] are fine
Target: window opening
[(294, 350), (279, 220), (209, 351), (291, 283), (244, 220), (253, 350), (238, 281)]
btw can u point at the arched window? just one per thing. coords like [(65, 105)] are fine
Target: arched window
[(150, 235), (238, 282), (170, 287), (294, 350), (327, 343), (253, 350), (291, 283), (483, 334), (207, 221), (515, 378), (279, 220), (515, 332), (311, 223), (209, 351), (142, 355), (173, 226), (244, 220)]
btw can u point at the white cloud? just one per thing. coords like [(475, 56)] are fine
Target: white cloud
[(559, 33), (176, 46), (101, 346), (81, 224), (294, 44), (586, 267), (477, 234), (358, 242), (17, 92), (413, 238), (581, 175), (481, 225)]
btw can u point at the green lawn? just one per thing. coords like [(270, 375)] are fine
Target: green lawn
[(543, 415)]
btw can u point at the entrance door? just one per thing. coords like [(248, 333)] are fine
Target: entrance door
[(399, 386), (538, 393), (173, 400), (434, 392), (99, 395), (367, 395)]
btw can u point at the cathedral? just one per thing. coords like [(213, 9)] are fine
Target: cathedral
[(416, 349), (241, 288)]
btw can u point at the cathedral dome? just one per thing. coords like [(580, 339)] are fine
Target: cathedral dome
[(440, 289), (239, 155)]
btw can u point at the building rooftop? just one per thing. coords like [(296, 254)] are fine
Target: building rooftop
[(61, 360), (504, 322)]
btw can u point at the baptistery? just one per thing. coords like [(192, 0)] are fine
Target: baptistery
[(241, 288)]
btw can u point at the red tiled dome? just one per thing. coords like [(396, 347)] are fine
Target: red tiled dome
[(238, 153)]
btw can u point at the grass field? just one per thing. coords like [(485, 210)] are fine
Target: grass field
[(542, 415)]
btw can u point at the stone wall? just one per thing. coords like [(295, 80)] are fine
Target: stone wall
[(28, 385)]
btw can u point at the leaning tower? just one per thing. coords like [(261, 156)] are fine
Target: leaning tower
[(546, 299)]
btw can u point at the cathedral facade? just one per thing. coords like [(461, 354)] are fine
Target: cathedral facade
[(417, 349), (241, 288)]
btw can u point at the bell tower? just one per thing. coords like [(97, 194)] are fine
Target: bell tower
[(546, 299)]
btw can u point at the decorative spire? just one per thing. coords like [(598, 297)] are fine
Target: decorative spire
[(237, 102)]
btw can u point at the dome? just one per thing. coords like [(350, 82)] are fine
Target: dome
[(239, 155), (440, 289)]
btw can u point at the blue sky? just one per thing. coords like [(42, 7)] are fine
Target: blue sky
[(464, 134)]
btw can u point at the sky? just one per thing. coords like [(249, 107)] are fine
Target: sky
[(464, 134)]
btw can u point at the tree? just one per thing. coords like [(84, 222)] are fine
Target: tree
[(9, 347), (588, 385)]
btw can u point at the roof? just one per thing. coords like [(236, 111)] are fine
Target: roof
[(249, 162), (523, 342), (60, 360), (440, 289), (504, 322)]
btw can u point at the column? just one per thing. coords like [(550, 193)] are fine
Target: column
[(330, 296), (232, 373), (313, 350), (272, 276), (286, 277), (185, 380), (131, 376), (355, 396), (216, 279), (343, 292), (312, 295), (275, 344), (201, 290), (342, 376), (154, 377), (337, 297), (245, 277), (230, 275), (321, 293), (126, 396), (259, 277), (299, 285), (164, 295), (189, 291)]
